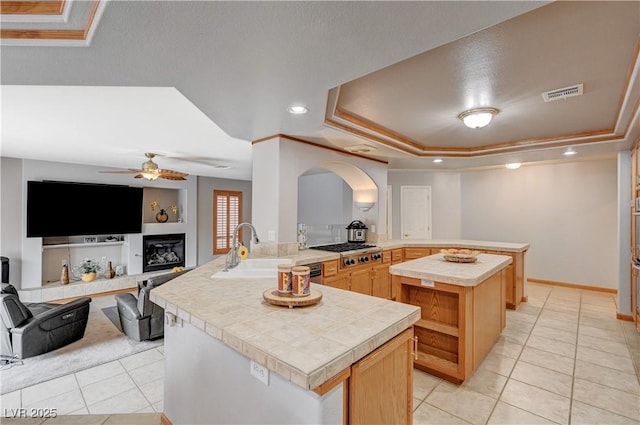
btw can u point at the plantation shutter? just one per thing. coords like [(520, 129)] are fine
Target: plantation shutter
[(227, 211)]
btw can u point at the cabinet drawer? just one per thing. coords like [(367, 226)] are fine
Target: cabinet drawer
[(386, 256), (413, 253), (396, 256), (330, 268)]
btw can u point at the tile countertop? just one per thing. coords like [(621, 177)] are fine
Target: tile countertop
[(454, 243), (306, 346), (436, 268)]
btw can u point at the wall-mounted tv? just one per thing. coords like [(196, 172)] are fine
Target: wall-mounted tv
[(57, 208)]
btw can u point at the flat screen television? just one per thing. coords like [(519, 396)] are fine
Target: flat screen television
[(57, 208)]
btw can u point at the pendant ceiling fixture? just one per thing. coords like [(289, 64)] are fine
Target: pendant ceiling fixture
[(478, 117)]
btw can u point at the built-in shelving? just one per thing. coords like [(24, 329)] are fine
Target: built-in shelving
[(82, 245)]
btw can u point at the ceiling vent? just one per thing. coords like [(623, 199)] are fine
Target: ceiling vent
[(360, 148), (563, 93)]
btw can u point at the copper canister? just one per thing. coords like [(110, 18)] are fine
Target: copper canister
[(301, 281), (284, 278)]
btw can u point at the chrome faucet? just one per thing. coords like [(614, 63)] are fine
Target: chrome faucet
[(232, 258)]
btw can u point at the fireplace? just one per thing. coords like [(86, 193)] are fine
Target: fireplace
[(163, 252)]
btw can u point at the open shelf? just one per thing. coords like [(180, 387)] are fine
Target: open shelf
[(81, 245), (438, 327)]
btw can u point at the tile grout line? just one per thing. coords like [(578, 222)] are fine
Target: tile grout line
[(516, 362), (575, 360)]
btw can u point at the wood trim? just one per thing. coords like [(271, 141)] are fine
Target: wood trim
[(327, 386), (572, 285), (164, 420), (97, 295), (636, 52), (54, 34), (32, 7), (625, 317), (306, 142)]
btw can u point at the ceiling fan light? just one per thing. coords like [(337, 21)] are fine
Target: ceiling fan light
[(477, 118), (150, 176)]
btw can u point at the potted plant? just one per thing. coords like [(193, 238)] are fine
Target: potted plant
[(88, 269)]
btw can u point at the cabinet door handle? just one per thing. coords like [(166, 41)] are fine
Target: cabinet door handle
[(415, 348)]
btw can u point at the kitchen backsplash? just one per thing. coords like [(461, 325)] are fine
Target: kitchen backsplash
[(324, 234)]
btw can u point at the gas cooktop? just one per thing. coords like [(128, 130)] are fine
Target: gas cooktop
[(343, 247)]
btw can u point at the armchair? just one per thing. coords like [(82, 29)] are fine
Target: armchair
[(31, 329), (140, 318)]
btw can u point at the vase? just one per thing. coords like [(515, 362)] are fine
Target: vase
[(110, 273), (88, 277), (162, 216)]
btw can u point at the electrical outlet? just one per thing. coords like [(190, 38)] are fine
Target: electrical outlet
[(271, 235), (259, 372)]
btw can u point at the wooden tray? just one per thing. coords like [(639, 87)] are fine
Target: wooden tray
[(272, 296), (460, 259)]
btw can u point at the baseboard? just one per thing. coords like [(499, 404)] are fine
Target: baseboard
[(164, 420), (625, 317), (572, 285)]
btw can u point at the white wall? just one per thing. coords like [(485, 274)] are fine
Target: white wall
[(275, 205), (11, 216), (624, 232), (567, 212), (324, 199), (206, 186), (445, 202)]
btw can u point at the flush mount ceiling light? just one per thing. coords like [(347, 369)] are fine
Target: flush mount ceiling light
[(437, 160), (478, 118), (297, 109), (513, 165), (569, 152)]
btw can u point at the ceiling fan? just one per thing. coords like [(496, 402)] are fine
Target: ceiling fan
[(150, 171)]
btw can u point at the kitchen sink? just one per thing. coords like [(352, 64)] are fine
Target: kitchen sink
[(253, 268)]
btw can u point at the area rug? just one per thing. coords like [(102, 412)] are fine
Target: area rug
[(103, 342)]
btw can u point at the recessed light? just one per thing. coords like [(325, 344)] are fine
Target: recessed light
[(569, 152), (513, 165), (297, 109), (437, 160)]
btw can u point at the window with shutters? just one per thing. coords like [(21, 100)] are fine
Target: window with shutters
[(227, 214)]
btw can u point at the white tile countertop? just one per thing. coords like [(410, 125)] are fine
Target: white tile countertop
[(307, 345), (436, 268), (454, 243)]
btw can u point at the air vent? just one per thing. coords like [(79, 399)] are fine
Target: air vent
[(563, 93), (360, 148)]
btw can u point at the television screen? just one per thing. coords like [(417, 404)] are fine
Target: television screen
[(76, 209)]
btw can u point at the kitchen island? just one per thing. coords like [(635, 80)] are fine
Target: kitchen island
[(230, 358), (463, 310)]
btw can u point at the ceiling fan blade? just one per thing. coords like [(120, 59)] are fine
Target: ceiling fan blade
[(171, 174)]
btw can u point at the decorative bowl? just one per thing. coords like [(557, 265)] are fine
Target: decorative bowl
[(460, 255)]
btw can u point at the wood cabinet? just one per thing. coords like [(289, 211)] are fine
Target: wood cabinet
[(397, 255), (416, 252), (381, 281), (368, 280), (381, 384), (361, 281), (458, 325)]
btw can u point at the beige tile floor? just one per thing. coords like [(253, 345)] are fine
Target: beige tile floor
[(562, 359)]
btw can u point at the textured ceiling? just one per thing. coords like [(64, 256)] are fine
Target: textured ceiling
[(242, 64)]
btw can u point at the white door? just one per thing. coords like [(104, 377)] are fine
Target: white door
[(415, 212)]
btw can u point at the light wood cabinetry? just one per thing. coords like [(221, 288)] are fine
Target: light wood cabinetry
[(381, 281), (381, 384), (397, 255), (361, 281), (413, 253), (459, 324), (369, 280)]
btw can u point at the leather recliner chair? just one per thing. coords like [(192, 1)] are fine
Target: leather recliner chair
[(140, 318), (31, 329)]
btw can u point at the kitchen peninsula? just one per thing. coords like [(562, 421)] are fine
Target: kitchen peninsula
[(463, 310), (319, 364)]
